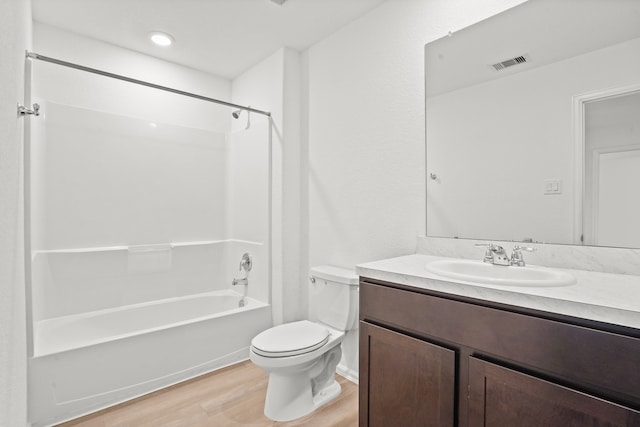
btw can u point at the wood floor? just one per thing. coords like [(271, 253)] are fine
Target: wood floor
[(232, 396)]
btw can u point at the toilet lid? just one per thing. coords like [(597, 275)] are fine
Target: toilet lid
[(290, 339)]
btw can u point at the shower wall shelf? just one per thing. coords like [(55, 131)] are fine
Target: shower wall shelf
[(159, 246)]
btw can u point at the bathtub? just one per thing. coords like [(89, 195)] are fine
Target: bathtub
[(85, 362)]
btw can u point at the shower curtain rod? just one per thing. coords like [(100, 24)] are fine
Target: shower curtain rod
[(34, 55)]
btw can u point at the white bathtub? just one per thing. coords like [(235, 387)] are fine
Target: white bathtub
[(88, 361), (82, 330)]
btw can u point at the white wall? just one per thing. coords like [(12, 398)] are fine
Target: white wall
[(274, 85), (365, 102), (366, 128), (15, 38)]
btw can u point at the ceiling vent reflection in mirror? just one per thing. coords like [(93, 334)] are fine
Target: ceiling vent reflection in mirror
[(510, 62)]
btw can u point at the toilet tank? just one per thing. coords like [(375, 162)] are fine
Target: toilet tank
[(333, 296)]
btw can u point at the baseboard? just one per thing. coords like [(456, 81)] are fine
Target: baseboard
[(347, 373)]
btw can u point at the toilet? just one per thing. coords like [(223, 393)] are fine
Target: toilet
[(301, 357)]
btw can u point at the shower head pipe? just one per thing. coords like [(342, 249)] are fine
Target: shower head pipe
[(33, 55)]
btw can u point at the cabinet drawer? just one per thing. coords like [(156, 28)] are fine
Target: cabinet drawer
[(595, 360)]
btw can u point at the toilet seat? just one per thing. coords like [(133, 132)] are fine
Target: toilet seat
[(290, 339)]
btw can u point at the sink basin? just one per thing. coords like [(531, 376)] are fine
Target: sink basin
[(481, 272)]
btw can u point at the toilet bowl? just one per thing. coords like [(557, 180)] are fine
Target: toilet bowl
[(301, 357), (300, 379)]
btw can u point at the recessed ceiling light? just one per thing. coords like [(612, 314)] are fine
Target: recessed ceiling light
[(161, 39)]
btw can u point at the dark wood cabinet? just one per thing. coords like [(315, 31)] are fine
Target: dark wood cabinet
[(410, 382), (499, 397), (432, 359)]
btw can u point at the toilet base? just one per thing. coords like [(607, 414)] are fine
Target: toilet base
[(299, 390), (329, 393), (289, 397)]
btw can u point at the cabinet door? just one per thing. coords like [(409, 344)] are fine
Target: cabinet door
[(501, 397), (404, 381)]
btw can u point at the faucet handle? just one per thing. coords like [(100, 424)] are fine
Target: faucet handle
[(516, 255), (488, 253), (246, 263)]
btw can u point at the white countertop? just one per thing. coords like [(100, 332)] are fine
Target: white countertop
[(604, 297)]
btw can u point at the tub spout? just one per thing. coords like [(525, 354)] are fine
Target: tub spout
[(243, 281)]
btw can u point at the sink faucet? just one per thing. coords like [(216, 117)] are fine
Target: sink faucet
[(495, 254)]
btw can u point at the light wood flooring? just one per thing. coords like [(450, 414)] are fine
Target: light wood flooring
[(233, 396)]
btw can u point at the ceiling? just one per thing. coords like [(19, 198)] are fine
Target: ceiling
[(222, 37)]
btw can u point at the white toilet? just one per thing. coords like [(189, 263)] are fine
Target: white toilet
[(301, 357)]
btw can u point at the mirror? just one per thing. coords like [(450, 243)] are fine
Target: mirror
[(533, 125)]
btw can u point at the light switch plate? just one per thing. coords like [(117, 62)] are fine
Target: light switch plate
[(552, 186)]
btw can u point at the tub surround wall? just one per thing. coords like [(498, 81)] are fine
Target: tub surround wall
[(107, 131), (67, 282), (588, 258), (158, 169), (104, 179)]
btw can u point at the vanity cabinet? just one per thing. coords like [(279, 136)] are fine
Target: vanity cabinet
[(433, 359), (414, 381), (500, 397)]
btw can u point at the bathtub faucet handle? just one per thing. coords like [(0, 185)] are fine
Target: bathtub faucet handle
[(246, 263)]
